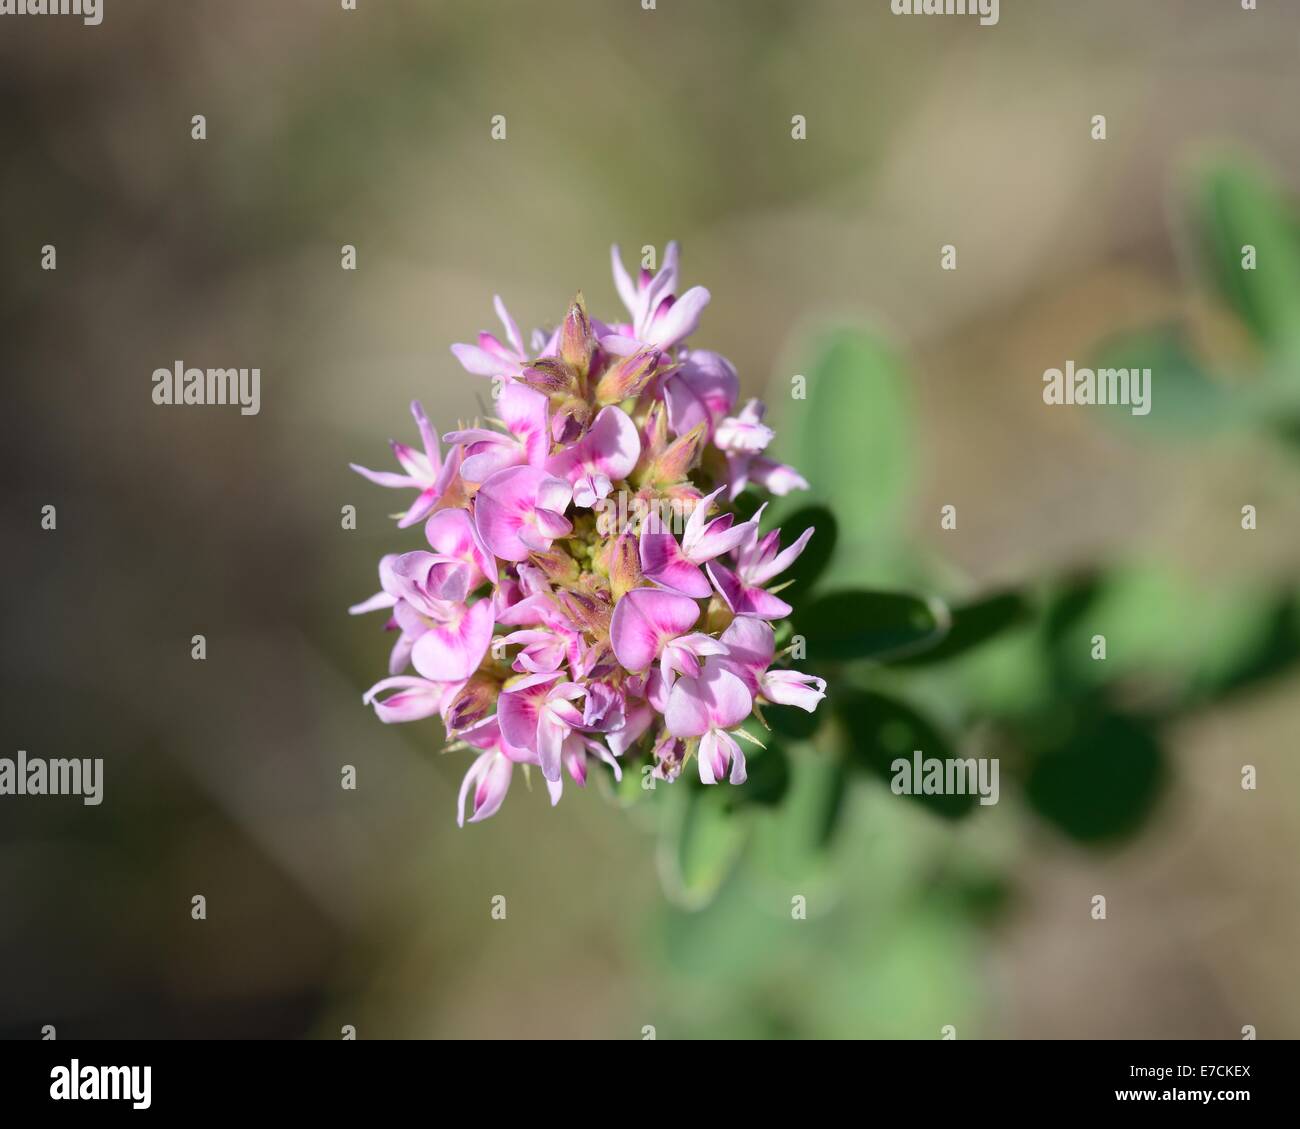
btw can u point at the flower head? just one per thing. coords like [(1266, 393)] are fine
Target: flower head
[(539, 632)]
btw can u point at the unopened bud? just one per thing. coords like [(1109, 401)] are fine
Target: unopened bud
[(570, 420), (593, 614), (628, 377), (549, 375), (624, 566), (577, 342), (474, 701), (559, 568), (671, 465)]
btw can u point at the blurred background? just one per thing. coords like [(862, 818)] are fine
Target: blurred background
[(328, 127)]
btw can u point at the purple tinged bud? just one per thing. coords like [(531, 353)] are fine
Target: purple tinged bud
[(577, 342), (559, 568), (550, 376), (672, 465), (587, 610), (629, 377), (570, 420), (624, 566), (669, 752), (473, 703)]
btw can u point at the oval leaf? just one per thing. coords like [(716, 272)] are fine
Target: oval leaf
[(701, 844), (870, 625), (880, 731), (976, 623)]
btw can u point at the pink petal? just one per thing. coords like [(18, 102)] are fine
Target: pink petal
[(551, 732), (613, 443), (489, 776), (702, 391), (385, 477), (639, 718), (478, 361), (450, 651), (681, 320), (414, 700), (687, 711), (519, 708), (622, 283), (502, 505), (792, 688), (377, 601), (722, 747), (764, 572), (663, 561), (523, 410), (511, 326), (742, 599), (644, 620), (750, 644), (776, 477)]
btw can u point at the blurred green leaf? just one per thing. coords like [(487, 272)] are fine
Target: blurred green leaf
[(974, 624), (1236, 205), (767, 773), (1186, 401), (861, 625), (1101, 782), (793, 840), (701, 843), (792, 722), (877, 730), (851, 437), (1143, 613), (1275, 651)]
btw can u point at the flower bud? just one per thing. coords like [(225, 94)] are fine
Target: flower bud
[(570, 420), (559, 568), (669, 753), (475, 700), (624, 563), (549, 375), (591, 613), (671, 466), (628, 377), (577, 343)]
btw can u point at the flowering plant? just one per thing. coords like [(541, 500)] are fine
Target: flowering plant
[(589, 586)]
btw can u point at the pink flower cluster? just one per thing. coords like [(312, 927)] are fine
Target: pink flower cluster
[(586, 592)]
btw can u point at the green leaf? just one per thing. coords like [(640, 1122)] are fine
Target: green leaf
[(701, 842), (794, 840), (792, 722), (878, 625), (976, 623), (1101, 781), (1143, 613), (879, 730), (851, 437), (1236, 205), (1185, 400), (767, 772)]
